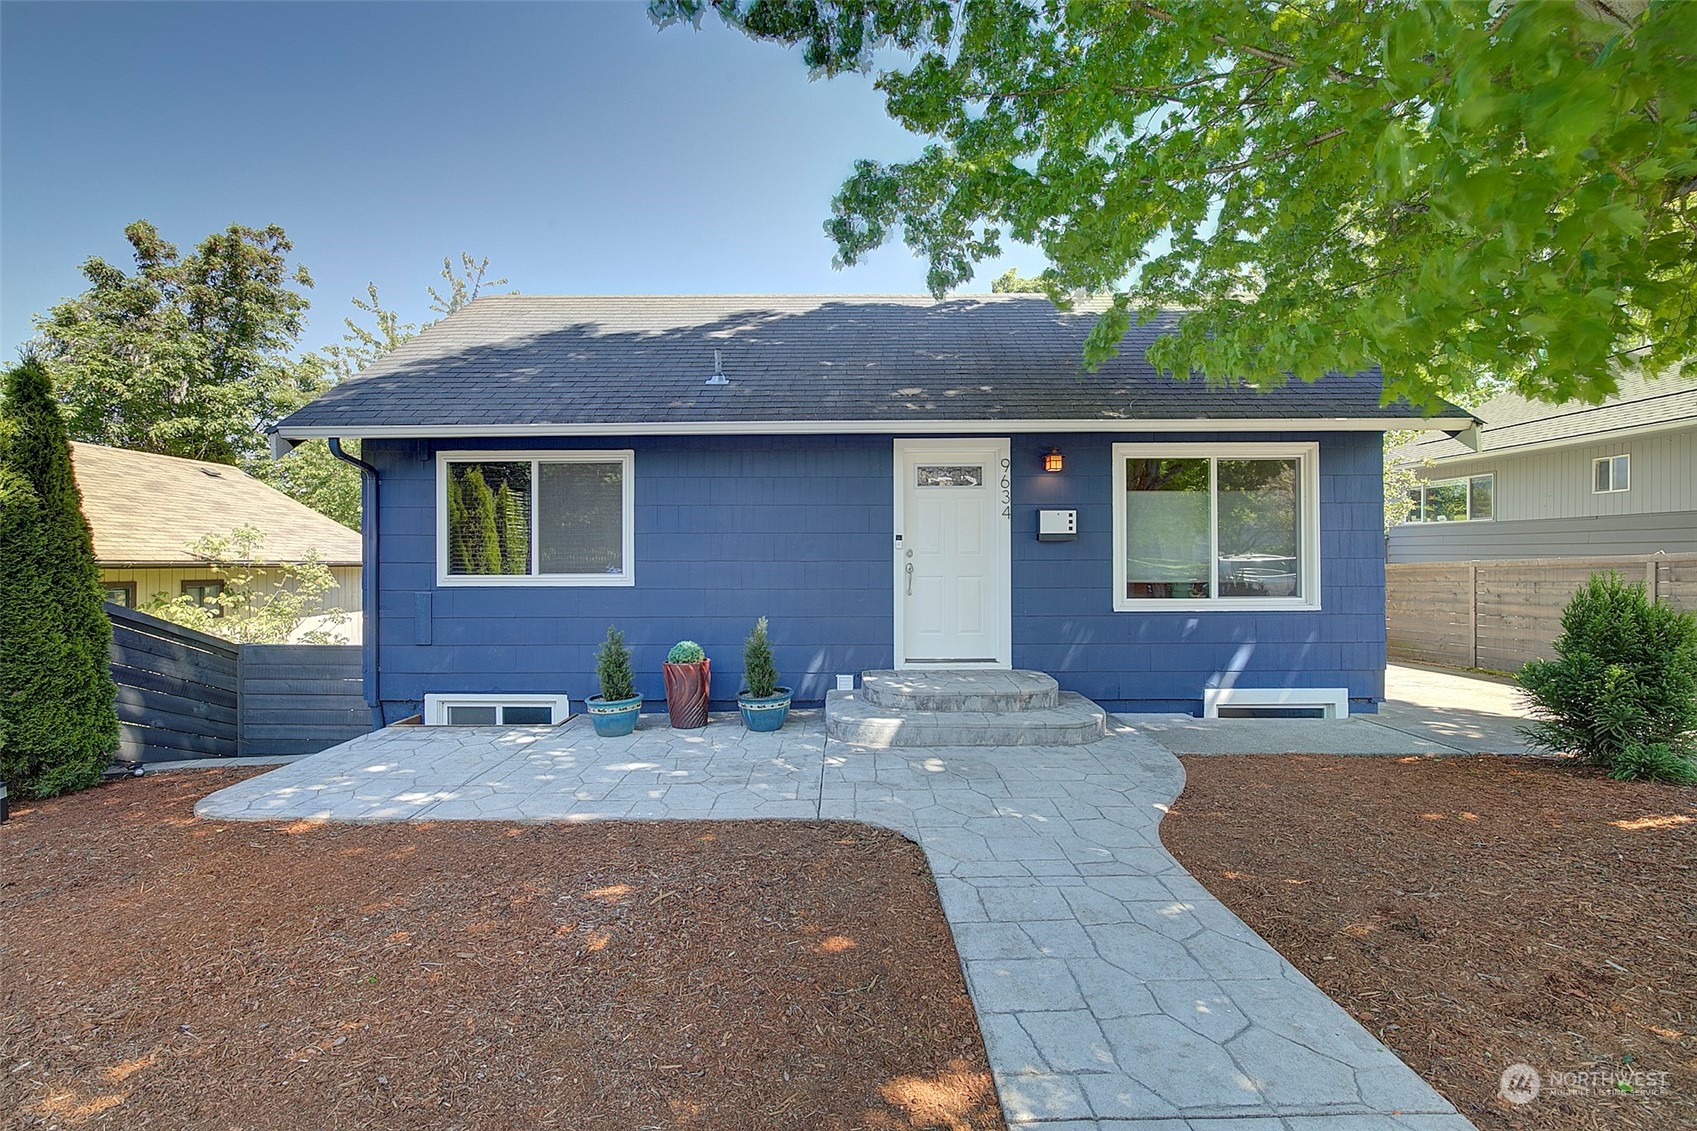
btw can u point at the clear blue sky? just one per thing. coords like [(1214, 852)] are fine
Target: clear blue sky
[(576, 146)]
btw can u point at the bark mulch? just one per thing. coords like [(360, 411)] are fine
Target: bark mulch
[(1475, 913), (163, 971)]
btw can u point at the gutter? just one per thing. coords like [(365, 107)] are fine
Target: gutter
[(370, 593), (896, 427)]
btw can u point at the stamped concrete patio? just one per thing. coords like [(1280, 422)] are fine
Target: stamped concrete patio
[(1111, 988)]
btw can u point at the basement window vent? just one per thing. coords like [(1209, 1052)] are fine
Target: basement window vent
[(496, 710), (1275, 703), (1271, 713)]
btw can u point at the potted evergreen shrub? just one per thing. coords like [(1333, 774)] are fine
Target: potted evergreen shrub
[(687, 672), (614, 711), (763, 704)]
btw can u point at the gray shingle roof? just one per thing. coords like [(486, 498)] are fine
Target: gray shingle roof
[(903, 360), (1512, 422)]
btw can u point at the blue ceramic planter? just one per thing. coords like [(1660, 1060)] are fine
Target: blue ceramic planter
[(766, 714), (613, 718)]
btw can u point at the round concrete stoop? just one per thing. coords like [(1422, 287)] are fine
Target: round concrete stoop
[(962, 708)]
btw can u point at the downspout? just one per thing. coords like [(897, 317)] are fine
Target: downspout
[(370, 593)]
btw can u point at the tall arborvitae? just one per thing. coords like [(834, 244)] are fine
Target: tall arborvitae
[(459, 555), (512, 523), (759, 671), (58, 718), (483, 538)]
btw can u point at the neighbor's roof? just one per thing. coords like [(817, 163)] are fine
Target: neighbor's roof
[(1512, 423), (510, 365), (146, 508)]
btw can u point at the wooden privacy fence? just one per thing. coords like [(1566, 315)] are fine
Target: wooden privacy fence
[(1500, 614), (184, 694)]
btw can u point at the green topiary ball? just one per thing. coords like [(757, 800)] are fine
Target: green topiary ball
[(685, 652)]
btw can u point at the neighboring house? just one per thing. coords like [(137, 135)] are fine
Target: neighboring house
[(147, 509), (1551, 481), (871, 474)]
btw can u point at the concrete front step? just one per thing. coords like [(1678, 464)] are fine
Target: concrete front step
[(1073, 721), (959, 689)]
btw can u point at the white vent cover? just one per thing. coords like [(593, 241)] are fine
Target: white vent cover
[(1332, 702)]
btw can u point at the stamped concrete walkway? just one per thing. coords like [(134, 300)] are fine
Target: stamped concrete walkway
[(1112, 989)]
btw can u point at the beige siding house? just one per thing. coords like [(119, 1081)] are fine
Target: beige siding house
[(147, 509), (1561, 481)]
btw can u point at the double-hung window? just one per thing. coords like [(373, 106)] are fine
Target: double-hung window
[(1216, 525), (534, 518)]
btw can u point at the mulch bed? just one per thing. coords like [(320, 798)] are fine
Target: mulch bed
[(162, 971), (1474, 913)]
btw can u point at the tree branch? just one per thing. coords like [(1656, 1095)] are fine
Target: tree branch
[(1290, 61)]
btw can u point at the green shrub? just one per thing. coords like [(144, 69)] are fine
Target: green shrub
[(1654, 761), (612, 668), (248, 610), (685, 652), (58, 719), (759, 670), (1625, 675)]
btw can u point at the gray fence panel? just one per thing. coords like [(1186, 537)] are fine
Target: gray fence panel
[(301, 698), (184, 694), (177, 689)]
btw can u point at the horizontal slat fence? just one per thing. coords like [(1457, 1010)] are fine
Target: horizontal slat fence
[(178, 690), (185, 694), (1500, 614), (300, 698)]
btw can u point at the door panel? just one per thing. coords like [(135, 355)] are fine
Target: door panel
[(952, 581)]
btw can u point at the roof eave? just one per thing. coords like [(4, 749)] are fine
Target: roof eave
[(202, 563), (1451, 424), (1602, 436)]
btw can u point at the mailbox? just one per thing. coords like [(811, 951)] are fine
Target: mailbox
[(1057, 526)]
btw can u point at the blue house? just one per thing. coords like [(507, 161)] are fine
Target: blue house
[(893, 481)]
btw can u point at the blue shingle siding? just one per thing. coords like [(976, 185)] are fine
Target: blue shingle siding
[(1063, 618), (798, 528), (727, 530)]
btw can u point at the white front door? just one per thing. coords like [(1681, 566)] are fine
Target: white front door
[(952, 553)]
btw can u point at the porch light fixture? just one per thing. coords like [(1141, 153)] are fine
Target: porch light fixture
[(1052, 461)]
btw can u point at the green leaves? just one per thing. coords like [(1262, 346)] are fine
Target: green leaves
[(190, 355), (1449, 191)]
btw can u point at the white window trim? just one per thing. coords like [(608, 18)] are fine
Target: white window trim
[(1465, 481), (436, 706), (1308, 457), (624, 456), (1612, 490), (1334, 701)]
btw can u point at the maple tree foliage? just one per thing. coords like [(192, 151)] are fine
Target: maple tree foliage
[(1447, 190)]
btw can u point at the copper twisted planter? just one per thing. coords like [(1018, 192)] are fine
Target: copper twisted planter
[(686, 693)]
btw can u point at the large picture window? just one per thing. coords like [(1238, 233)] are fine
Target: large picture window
[(540, 518), (1226, 525)]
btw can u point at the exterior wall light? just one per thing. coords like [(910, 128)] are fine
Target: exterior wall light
[(1052, 461)]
